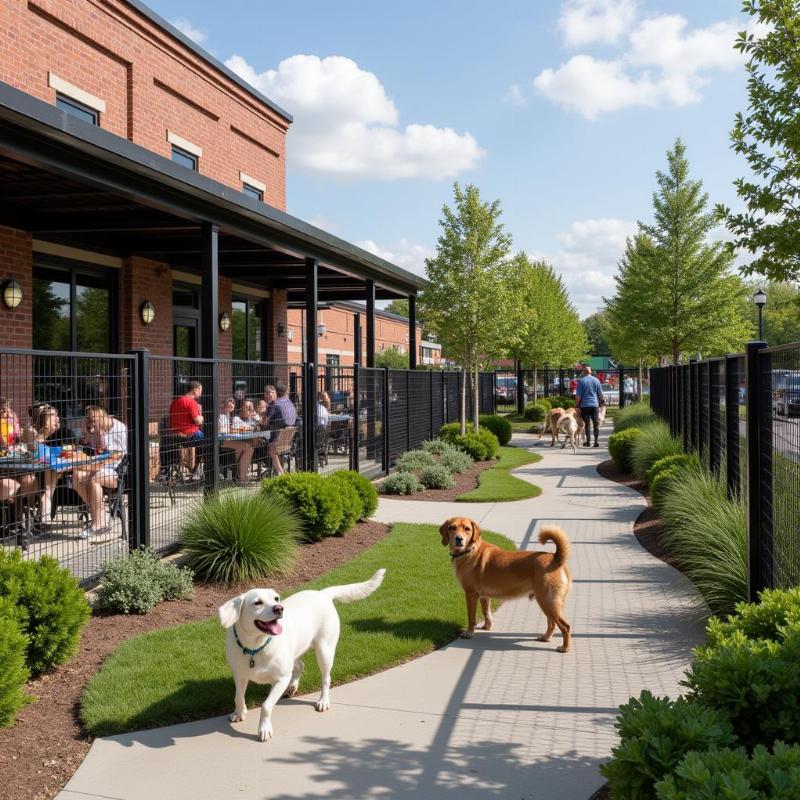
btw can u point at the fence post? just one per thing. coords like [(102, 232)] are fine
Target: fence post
[(139, 445), (355, 449), (759, 506), (430, 401), (702, 377), (732, 425), (408, 409), (714, 443), (520, 389), (309, 418), (621, 386), (386, 459)]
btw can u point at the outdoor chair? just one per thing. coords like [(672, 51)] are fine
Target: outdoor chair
[(283, 446), (323, 443)]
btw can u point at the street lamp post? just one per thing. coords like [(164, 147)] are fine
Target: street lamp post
[(760, 299)]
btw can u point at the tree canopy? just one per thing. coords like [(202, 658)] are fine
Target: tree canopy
[(595, 326), (392, 358), (674, 289), (767, 135), (781, 313)]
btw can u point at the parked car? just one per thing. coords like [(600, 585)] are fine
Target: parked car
[(611, 394), (505, 390), (786, 395)]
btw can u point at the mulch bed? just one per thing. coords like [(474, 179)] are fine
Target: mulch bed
[(39, 754), (465, 482)]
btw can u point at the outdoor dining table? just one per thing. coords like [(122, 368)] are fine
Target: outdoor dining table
[(243, 436)]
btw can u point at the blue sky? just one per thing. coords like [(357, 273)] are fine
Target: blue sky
[(562, 110)]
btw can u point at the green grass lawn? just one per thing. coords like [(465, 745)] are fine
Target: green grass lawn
[(520, 425), (497, 484), (179, 674)]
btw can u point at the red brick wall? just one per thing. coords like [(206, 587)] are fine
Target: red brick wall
[(16, 247), (149, 81), (141, 280), (277, 314), (225, 337)]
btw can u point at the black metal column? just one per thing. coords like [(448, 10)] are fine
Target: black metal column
[(310, 380), (357, 354), (732, 424), (714, 423), (209, 348), (757, 503), (139, 523), (412, 331), (370, 298), (386, 456), (355, 449), (702, 434), (621, 387), (520, 389)]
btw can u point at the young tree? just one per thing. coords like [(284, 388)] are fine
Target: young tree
[(469, 300), (392, 358), (767, 136), (781, 313), (595, 326), (675, 290), (548, 329)]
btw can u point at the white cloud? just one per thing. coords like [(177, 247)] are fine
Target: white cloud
[(515, 95), (662, 63), (404, 254), (187, 29), (323, 223), (346, 125), (586, 21), (587, 258)]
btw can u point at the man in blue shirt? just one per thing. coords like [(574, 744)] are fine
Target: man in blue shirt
[(589, 398)]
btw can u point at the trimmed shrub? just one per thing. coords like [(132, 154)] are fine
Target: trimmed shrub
[(450, 432), (498, 425), (754, 682), (660, 484), (481, 446), (680, 460), (546, 402), (620, 447), (633, 416), (733, 775), (401, 483), (413, 460), (436, 477), (655, 733), (314, 499), (234, 537), (655, 442), (136, 582), (366, 491), (561, 401), (13, 672), (48, 605), (352, 507), (455, 460), (536, 412), (776, 611), (707, 531)]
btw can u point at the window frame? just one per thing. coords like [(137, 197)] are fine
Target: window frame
[(191, 157), (69, 106), (252, 191), (252, 304)]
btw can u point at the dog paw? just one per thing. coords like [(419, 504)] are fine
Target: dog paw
[(323, 704), (466, 634), (291, 690), (542, 638), (487, 626), (237, 716), (265, 730), (562, 649)]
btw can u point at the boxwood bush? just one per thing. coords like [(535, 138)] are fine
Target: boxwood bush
[(776, 612), (401, 483), (733, 775), (498, 425), (655, 733), (536, 412), (656, 442), (352, 507), (13, 671), (48, 605), (436, 477), (660, 484), (561, 401), (620, 447), (315, 500), (481, 446), (136, 582), (366, 491)]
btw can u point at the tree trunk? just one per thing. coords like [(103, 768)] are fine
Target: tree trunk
[(463, 415), (676, 353), (641, 375), (476, 411), (535, 383)]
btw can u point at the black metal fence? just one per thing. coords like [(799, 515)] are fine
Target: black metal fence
[(740, 415)]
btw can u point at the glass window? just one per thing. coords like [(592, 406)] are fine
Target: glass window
[(246, 329), (332, 359), (184, 158), (93, 318), (239, 328), (254, 332), (51, 314), (76, 109), (185, 297), (251, 191)]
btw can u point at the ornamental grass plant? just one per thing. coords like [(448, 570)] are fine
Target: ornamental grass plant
[(235, 537), (633, 416), (655, 442)]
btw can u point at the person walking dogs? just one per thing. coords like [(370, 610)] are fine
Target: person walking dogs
[(589, 398)]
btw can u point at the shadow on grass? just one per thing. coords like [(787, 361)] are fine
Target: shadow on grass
[(436, 631)]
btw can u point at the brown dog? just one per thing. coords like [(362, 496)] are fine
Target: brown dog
[(485, 571), (551, 424)]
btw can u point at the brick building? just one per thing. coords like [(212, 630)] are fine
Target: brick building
[(142, 201)]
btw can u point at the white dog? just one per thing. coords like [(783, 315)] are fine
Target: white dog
[(568, 425), (267, 639)]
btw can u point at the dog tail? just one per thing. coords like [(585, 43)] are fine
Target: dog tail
[(355, 591), (552, 533)]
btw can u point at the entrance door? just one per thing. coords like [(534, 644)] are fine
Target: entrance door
[(184, 337)]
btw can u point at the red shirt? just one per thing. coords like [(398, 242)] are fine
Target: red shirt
[(182, 414)]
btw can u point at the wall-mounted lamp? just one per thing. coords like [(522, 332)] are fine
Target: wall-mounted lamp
[(12, 293), (281, 329), (321, 329), (290, 335), (147, 311), (224, 321)]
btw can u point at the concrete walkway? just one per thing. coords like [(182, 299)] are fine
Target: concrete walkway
[(501, 715)]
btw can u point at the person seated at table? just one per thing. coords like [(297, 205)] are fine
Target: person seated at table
[(281, 414), (185, 422), (323, 410), (9, 425), (101, 433), (244, 421), (226, 416), (45, 422), (13, 486), (261, 409)]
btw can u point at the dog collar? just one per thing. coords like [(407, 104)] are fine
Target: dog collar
[(454, 556), (248, 651)]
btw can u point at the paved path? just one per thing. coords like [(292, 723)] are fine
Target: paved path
[(501, 715)]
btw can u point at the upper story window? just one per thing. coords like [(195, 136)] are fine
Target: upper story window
[(76, 109), (75, 101), (184, 152), (247, 317), (252, 187), (184, 158)]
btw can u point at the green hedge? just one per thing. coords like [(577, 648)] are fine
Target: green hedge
[(13, 671), (481, 446), (49, 606), (536, 412), (316, 500), (367, 493), (620, 447), (498, 425), (561, 401)]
